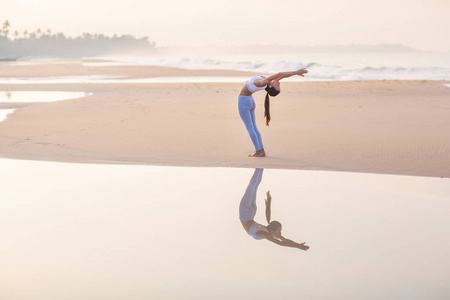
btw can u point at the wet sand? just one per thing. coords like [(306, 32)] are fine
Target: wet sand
[(387, 127), (148, 232)]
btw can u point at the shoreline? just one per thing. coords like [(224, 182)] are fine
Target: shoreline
[(397, 127)]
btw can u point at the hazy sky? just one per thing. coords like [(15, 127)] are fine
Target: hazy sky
[(422, 24)]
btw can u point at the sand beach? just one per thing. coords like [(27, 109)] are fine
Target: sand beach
[(386, 127)]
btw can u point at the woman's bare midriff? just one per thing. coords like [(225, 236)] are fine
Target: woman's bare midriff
[(245, 91)]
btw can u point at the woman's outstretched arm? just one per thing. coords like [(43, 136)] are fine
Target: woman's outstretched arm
[(282, 241), (301, 246), (279, 76)]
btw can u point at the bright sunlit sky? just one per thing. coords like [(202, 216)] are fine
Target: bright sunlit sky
[(421, 24)]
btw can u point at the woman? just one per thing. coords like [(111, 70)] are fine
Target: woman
[(247, 211), (246, 103)]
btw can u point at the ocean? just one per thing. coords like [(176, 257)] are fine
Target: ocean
[(409, 65)]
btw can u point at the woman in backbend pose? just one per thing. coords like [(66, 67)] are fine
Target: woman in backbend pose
[(246, 103), (247, 211)]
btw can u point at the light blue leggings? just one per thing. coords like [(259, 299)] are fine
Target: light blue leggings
[(246, 105), (247, 207)]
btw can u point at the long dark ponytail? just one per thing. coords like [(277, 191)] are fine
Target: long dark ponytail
[(267, 109), (272, 225), (272, 92)]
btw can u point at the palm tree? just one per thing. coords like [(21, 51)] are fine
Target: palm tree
[(60, 36), (5, 29)]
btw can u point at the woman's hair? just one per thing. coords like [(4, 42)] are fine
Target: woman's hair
[(272, 92), (274, 225)]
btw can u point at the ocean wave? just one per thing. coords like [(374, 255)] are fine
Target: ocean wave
[(401, 69), (322, 67)]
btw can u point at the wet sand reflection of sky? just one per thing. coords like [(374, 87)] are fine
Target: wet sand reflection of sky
[(39, 96), (4, 113), (10, 100), (144, 232)]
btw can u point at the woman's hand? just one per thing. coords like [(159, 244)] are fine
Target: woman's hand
[(302, 72), (302, 246)]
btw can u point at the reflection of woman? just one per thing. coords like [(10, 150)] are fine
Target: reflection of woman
[(247, 211), (246, 103)]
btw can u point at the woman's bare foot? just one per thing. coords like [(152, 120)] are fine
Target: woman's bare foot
[(259, 153)]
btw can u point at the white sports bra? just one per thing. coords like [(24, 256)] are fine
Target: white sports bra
[(252, 87), (254, 228)]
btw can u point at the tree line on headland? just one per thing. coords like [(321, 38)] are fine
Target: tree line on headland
[(45, 43)]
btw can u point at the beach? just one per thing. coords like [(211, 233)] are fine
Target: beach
[(381, 126)]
